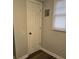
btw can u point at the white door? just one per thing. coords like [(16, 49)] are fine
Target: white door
[(34, 17)]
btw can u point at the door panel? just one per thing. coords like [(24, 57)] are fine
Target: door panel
[(34, 16)]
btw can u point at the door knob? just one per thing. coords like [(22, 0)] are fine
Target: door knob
[(30, 33)]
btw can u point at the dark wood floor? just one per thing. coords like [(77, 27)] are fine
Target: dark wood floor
[(40, 55)]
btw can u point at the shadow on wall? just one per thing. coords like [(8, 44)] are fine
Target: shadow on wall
[(14, 53)]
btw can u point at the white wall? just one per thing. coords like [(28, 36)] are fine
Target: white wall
[(52, 40), (19, 21)]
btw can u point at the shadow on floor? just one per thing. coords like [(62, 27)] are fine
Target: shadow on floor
[(40, 55)]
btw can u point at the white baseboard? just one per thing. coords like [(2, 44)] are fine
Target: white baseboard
[(52, 54), (25, 56)]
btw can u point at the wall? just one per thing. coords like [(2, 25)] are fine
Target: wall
[(14, 52), (53, 41), (19, 21)]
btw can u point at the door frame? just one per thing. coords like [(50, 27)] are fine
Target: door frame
[(27, 3)]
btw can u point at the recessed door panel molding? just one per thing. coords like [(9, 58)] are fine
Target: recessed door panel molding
[(34, 17)]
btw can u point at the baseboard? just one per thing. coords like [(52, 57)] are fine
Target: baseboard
[(52, 54), (25, 56)]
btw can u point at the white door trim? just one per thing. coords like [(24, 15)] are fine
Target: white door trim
[(35, 2)]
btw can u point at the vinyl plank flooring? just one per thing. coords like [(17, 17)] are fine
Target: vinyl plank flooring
[(40, 55)]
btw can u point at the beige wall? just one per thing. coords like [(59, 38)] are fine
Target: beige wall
[(19, 20), (52, 40)]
